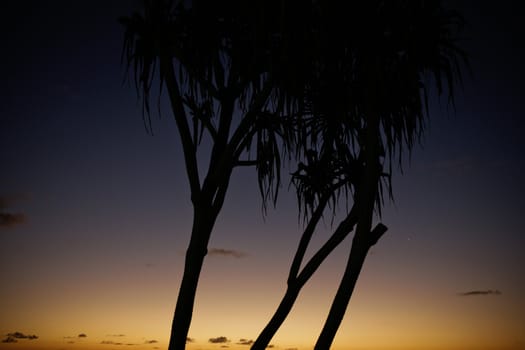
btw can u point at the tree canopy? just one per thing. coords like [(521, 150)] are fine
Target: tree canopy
[(340, 88)]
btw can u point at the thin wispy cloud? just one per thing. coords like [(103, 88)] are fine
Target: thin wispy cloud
[(226, 252), (9, 340), (110, 342), (14, 336), (9, 219), (480, 292), (20, 335), (82, 335), (243, 341), (190, 340), (153, 341), (115, 335), (219, 340)]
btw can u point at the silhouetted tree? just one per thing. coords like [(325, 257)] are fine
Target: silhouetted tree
[(235, 73), (298, 77), (318, 184), (408, 46), (370, 99)]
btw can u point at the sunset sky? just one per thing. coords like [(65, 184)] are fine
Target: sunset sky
[(95, 212)]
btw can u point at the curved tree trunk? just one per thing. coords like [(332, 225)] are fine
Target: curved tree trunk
[(278, 318), (361, 244), (366, 194), (298, 280), (344, 292), (185, 301), (202, 226), (197, 250)]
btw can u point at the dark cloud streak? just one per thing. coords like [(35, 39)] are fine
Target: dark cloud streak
[(480, 292), (219, 340), (14, 336), (9, 340), (226, 252), (9, 220), (20, 335)]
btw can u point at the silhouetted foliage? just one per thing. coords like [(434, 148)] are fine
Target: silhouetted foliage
[(368, 107), (338, 86)]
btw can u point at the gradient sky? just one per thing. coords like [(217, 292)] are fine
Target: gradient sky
[(96, 212)]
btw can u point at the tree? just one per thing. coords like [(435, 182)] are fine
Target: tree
[(233, 75), (388, 49), (405, 41), (275, 77)]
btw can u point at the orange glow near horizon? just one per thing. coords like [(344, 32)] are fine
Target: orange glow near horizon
[(395, 306), (235, 304)]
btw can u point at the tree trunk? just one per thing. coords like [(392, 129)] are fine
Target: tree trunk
[(278, 318), (366, 194), (344, 292), (197, 250), (298, 280), (360, 247)]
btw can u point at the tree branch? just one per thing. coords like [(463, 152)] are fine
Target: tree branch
[(377, 233), (246, 163), (305, 239), (345, 227), (250, 117), (188, 146)]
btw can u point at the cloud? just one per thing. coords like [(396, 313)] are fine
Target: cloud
[(115, 335), (111, 342), (290, 349), (20, 335), (243, 341), (82, 335), (153, 341), (271, 346), (9, 220), (9, 340), (480, 292), (219, 340), (226, 252), (190, 340)]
